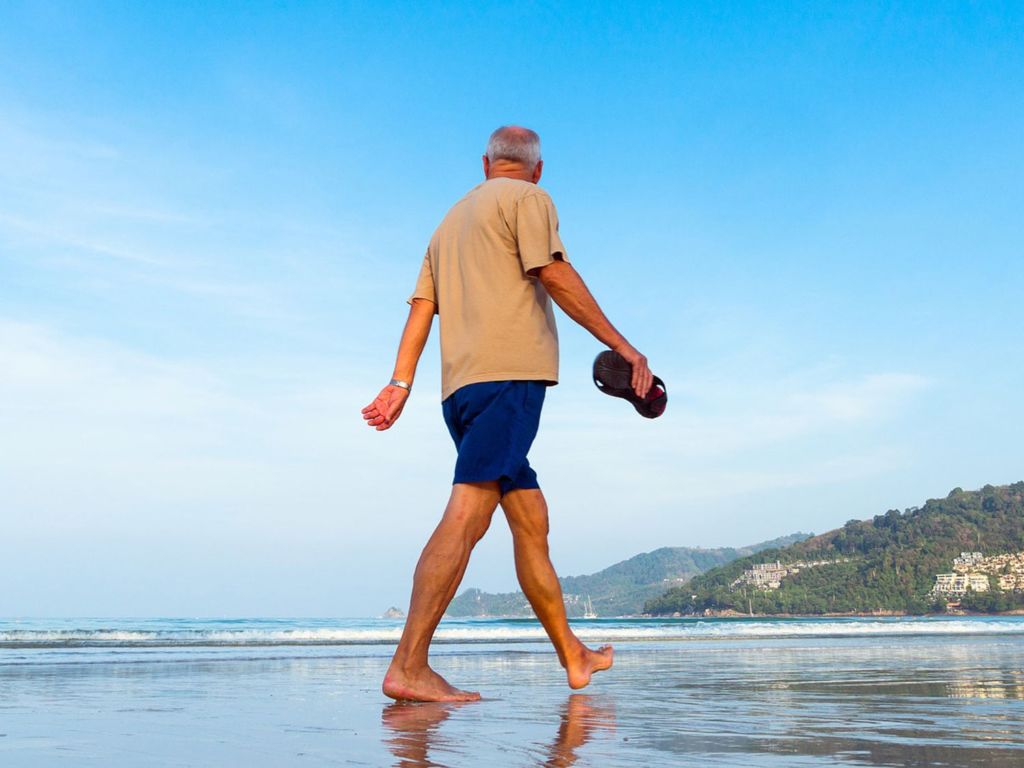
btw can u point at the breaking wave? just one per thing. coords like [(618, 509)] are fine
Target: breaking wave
[(319, 632)]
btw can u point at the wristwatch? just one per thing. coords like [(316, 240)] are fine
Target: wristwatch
[(403, 384)]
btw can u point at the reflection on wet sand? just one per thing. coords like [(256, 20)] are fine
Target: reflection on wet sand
[(414, 732), (1007, 685), (582, 715), (922, 704), (413, 735)]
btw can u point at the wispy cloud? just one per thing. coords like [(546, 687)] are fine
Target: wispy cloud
[(89, 216), (85, 197), (727, 421), (86, 418), (37, 233), (863, 400)]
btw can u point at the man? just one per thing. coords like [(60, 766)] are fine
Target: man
[(489, 271)]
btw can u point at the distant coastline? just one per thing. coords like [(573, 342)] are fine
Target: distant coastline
[(961, 555), (733, 614), (620, 590)]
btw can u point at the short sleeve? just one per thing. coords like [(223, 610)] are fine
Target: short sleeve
[(537, 232), (425, 288)]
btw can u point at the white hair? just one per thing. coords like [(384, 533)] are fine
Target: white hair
[(520, 145)]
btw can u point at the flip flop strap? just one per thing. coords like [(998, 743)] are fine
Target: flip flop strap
[(619, 392)]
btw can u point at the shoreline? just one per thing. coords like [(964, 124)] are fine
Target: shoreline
[(731, 614)]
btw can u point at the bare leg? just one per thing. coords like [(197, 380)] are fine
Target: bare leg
[(527, 515), (414, 729), (581, 716), (438, 574)]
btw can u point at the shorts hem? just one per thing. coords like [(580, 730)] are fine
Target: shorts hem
[(498, 376), (505, 484)]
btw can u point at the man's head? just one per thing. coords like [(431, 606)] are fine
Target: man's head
[(513, 152)]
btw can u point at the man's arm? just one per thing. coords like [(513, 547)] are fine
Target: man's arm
[(387, 406), (564, 284)]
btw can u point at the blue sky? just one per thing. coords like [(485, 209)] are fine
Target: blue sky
[(807, 215)]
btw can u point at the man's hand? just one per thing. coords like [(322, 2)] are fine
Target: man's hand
[(563, 283), (386, 407), (643, 379)]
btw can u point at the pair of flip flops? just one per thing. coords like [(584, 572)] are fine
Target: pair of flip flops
[(613, 376)]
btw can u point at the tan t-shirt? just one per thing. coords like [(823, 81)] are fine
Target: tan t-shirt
[(496, 320)]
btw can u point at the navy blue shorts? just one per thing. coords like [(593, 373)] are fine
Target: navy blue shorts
[(493, 424)]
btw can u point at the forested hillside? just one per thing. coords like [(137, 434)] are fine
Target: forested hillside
[(888, 563)]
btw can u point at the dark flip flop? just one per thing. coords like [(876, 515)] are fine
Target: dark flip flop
[(612, 375)]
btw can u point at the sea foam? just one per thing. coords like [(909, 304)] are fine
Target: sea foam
[(237, 633)]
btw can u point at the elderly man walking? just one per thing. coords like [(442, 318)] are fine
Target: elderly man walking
[(490, 272)]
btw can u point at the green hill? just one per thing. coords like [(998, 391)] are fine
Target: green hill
[(621, 589), (888, 563)]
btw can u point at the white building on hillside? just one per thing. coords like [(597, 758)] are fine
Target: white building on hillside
[(957, 584)]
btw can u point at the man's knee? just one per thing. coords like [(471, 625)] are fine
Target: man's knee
[(470, 524), (527, 514), (470, 510), (478, 527)]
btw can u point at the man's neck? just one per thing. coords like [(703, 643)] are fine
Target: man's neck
[(521, 175), (507, 169)]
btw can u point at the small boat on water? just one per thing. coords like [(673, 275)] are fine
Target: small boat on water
[(588, 609)]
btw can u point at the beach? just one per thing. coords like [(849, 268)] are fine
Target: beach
[(885, 692)]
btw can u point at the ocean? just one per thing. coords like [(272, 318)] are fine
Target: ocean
[(743, 691)]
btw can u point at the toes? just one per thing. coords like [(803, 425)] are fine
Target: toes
[(464, 696)]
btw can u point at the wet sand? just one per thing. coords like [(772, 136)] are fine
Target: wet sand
[(895, 701)]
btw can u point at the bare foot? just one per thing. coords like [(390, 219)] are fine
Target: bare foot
[(583, 662), (422, 685)]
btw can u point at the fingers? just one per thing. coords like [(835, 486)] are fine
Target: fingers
[(379, 423), (642, 377), (375, 414), (647, 382), (382, 413), (375, 419), (374, 408)]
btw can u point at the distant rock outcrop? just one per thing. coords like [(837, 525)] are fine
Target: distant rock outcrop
[(393, 613)]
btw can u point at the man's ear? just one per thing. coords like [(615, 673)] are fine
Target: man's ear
[(537, 171), (487, 167)]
